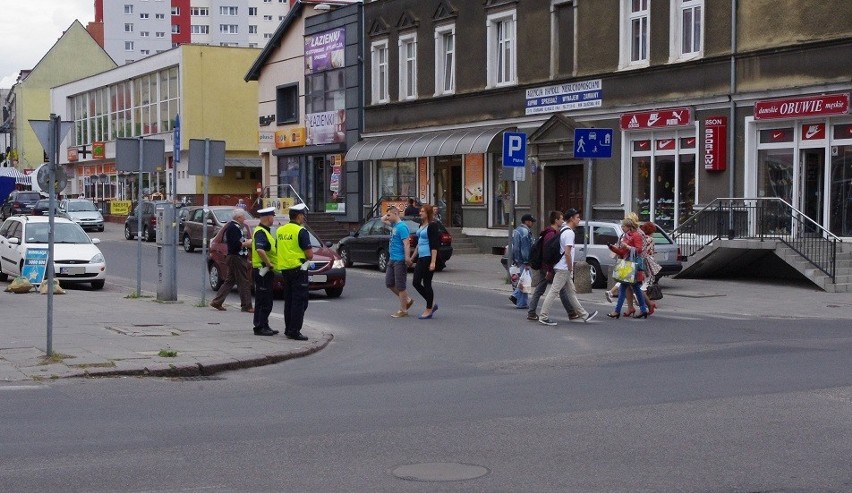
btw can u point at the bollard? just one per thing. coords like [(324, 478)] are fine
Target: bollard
[(582, 277)]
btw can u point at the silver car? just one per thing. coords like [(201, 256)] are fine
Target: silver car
[(82, 212)]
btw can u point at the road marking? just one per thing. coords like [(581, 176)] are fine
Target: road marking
[(23, 387)]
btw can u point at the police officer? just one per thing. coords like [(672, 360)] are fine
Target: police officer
[(263, 259), (294, 255)]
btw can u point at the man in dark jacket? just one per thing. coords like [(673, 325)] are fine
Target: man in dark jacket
[(545, 274), (238, 240)]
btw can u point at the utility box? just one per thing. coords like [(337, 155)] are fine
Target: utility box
[(166, 235)]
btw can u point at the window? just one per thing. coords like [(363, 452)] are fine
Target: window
[(252, 11), (502, 53), (267, 17), (144, 34), (128, 9), (227, 10), (175, 10), (267, 36), (145, 52), (635, 26), (160, 35), (287, 104), (175, 28), (199, 11), (445, 60), (687, 29), (325, 91), (200, 29), (159, 16), (128, 27), (664, 175), (128, 46), (143, 16), (229, 28), (252, 29), (408, 66), (380, 73)]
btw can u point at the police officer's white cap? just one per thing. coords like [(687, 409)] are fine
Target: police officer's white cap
[(299, 207), (269, 211)]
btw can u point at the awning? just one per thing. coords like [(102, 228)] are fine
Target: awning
[(20, 178), (442, 143), (243, 163)]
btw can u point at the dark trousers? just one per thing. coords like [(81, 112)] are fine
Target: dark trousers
[(238, 273), (262, 298), (423, 280), (295, 300)]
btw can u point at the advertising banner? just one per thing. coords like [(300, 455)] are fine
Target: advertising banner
[(714, 145), (119, 207), (423, 180), (829, 104), (325, 51), (674, 117), (564, 97), (474, 179), (326, 127), (35, 265)]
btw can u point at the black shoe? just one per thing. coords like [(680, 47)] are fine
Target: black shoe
[(297, 337), (513, 299), (264, 332), (274, 332)]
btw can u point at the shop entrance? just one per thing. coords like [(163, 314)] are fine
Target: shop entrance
[(568, 187), (812, 186), (448, 190)]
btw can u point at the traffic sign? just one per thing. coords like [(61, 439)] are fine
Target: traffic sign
[(592, 142), (514, 149)]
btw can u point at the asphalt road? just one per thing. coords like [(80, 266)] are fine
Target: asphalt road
[(680, 402)]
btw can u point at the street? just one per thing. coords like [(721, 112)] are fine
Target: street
[(705, 401)]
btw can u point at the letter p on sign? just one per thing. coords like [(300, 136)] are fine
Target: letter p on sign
[(514, 149)]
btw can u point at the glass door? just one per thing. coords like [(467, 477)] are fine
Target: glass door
[(840, 220), (812, 186)]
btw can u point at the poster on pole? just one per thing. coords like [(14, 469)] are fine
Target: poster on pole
[(35, 265)]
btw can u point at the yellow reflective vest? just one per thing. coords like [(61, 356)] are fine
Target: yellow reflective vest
[(290, 255), (256, 261)]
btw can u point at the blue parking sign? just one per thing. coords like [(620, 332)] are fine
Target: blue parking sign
[(592, 142), (514, 149)]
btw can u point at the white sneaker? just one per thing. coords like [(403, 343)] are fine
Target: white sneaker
[(546, 321), (608, 296), (590, 316)]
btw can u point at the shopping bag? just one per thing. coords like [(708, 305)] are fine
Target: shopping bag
[(624, 271), (654, 292), (525, 282)]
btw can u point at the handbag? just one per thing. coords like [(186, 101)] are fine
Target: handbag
[(624, 271), (654, 292)]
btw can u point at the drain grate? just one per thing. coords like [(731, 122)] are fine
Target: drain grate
[(439, 471), (197, 378)]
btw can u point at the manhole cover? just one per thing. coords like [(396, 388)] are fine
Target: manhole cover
[(439, 471)]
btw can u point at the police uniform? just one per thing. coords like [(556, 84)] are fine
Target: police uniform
[(292, 243), (263, 240)]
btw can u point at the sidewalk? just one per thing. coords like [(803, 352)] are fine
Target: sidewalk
[(106, 333)]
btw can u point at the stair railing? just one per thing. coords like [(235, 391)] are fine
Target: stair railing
[(765, 218)]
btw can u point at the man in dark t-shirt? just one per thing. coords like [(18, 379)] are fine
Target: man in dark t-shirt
[(238, 240)]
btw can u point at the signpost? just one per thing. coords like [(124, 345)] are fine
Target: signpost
[(514, 162), (206, 158), (591, 143)]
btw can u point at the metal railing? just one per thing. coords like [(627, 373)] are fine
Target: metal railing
[(768, 218), (375, 209)]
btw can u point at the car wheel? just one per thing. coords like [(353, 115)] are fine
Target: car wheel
[(215, 280), (383, 260), (98, 284), (101, 230), (334, 292), (344, 255), (3, 276), (187, 244), (595, 274), (127, 234), (147, 235)]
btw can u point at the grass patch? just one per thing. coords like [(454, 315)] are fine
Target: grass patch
[(135, 296), (167, 353), (83, 366), (55, 358)]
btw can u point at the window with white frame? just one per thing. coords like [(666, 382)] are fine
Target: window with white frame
[(445, 60), (128, 46), (175, 10), (128, 9), (380, 71), (252, 11), (687, 28), (160, 34), (144, 34), (635, 33), (226, 10), (128, 27), (159, 16), (502, 49), (267, 17), (252, 29), (145, 52), (143, 15), (200, 29), (175, 28), (267, 35), (199, 11), (229, 29), (408, 66)]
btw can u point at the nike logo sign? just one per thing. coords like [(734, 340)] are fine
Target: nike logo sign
[(777, 135), (812, 130)]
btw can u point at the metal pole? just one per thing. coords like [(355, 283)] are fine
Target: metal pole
[(587, 204), (510, 223), (53, 144), (204, 221), (139, 223)]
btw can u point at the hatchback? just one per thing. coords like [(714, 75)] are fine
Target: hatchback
[(370, 244), (83, 212), (192, 227), (19, 202)]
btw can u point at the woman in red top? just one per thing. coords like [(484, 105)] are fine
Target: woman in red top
[(633, 243)]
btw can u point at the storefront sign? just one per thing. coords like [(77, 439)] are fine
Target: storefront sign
[(35, 265), (334, 180), (290, 137), (675, 117), (829, 104), (325, 51), (714, 143), (423, 179), (326, 127), (665, 144), (474, 183), (72, 154), (119, 207), (564, 97), (98, 150), (265, 138), (813, 131)]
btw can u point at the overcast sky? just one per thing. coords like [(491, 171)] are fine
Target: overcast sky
[(31, 27)]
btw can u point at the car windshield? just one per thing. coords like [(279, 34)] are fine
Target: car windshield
[(28, 197), (81, 206), (62, 233), (225, 215)]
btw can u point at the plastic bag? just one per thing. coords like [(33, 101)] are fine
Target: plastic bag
[(525, 282), (57, 289), (20, 285), (624, 271)]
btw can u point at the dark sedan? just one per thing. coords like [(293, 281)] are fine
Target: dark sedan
[(370, 244)]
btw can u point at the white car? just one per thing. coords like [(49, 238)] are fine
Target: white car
[(77, 258), (83, 212)]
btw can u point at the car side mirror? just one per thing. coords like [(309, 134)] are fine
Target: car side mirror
[(210, 222), (14, 241), (328, 244), (95, 241), (353, 234)]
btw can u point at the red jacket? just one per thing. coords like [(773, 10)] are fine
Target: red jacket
[(546, 235), (630, 239)]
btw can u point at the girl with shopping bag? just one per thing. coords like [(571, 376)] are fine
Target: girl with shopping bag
[(629, 269)]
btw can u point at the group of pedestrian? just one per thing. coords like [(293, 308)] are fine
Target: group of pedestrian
[(424, 258), (637, 243), (288, 251), (559, 276)]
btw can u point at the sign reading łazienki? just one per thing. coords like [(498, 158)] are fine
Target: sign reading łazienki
[(565, 97)]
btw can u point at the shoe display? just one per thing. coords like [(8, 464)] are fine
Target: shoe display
[(217, 306), (399, 314), (532, 317), (590, 316), (546, 321), (297, 337)]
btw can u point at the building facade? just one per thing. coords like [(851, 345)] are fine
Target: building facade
[(198, 86), (134, 29), (706, 98)]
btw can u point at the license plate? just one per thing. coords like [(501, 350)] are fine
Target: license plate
[(318, 278), (72, 271)]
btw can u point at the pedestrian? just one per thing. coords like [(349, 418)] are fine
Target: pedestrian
[(522, 239), (563, 272), (238, 244), (632, 249), (544, 276), (263, 258), (293, 243), (426, 253), (396, 273), (411, 209), (241, 205), (612, 292)]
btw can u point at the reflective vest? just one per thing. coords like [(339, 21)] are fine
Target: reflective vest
[(290, 255), (256, 261)]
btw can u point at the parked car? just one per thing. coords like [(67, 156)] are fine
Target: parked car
[(192, 232), (370, 244), (19, 202), (77, 258), (328, 274), (598, 254), (149, 221), (83, 212), (42, 207)]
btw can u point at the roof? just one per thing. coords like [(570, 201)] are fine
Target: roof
[(274, 42)]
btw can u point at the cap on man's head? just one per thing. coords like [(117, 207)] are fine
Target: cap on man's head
[(299, 208), (527, 217), (570, 213), (269, 211)]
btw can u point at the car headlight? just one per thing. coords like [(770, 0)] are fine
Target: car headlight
[(338, 264), (98, 259)]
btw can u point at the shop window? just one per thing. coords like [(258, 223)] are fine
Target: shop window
[(840, 214), (501, 205), (686, 187), (774, 135), (843, 131), (397, 178), (664, 180), (642, 181)]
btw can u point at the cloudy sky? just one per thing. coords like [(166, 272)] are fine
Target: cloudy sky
[(31, 27)]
